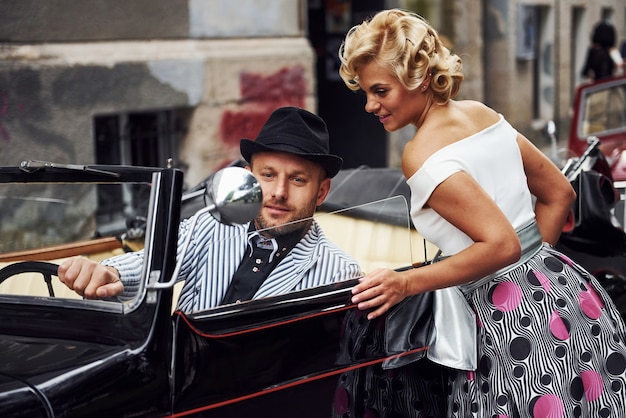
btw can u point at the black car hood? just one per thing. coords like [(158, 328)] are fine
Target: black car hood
[(30, 366), (41, 358), (19, 399)]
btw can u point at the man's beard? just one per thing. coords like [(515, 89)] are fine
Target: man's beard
[(301, 221)]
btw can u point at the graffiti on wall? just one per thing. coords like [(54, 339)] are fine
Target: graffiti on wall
[(261, 94)]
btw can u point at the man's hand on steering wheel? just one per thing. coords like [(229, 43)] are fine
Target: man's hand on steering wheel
[(90, 279)]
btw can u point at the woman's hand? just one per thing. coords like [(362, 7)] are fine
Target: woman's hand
[(553, 191), (380, 290)]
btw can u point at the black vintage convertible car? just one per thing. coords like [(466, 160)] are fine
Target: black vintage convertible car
[(69, 357)]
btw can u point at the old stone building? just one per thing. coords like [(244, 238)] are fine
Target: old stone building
[(143, 81), (140, 82)]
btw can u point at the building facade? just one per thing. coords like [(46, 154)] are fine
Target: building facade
[(534, 53), (143, 82)]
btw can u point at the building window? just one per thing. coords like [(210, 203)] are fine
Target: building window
[(146, 139)]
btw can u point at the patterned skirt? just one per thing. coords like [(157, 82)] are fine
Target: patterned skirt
[(550, 344)]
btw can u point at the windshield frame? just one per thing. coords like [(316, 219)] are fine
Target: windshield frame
[(59, 174)]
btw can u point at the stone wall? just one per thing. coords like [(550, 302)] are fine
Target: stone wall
[(32, 21), (49, 94)]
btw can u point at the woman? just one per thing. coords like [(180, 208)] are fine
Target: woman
[(550, 341)]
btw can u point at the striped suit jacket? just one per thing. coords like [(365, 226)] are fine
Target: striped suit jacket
[(216, 250)]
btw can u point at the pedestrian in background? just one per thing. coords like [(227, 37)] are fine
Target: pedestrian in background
[(603, 59)]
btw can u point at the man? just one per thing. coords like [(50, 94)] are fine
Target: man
[(603, 60), (283, 250)]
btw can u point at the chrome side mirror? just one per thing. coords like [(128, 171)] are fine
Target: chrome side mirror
[(233, 196), (550, 129)]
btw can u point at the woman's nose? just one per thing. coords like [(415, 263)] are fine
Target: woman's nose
[(371, 105)]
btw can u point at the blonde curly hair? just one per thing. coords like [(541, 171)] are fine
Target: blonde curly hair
[(405, 44)]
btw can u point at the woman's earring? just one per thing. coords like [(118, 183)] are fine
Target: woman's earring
[(425, 83)]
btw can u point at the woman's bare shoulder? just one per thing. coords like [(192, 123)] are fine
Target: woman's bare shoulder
[(476, 109), (413, 156), (453, 122)]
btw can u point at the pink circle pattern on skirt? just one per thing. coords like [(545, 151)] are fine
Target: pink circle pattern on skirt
[(548, 406), (507, 296), (592, 382), (558, 327)]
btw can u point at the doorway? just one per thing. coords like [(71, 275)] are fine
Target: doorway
[(355, 135)]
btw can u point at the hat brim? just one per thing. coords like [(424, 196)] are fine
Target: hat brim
[(331, 163)]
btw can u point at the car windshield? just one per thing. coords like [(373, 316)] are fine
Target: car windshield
[(376, 234), (604, 110), (50, 222)]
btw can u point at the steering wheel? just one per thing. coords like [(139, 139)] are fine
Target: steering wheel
[(46, 269)]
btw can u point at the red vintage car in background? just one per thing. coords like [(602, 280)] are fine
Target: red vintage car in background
[(595, 237), (599, 110)]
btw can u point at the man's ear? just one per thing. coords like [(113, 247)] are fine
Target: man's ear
[(323, 191), (247, 167)]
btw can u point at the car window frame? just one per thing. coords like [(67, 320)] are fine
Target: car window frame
[(151, 177)]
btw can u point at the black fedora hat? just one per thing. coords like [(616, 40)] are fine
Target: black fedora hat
[(296, 131)]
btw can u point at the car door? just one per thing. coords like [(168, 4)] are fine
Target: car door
[(282, 356)]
